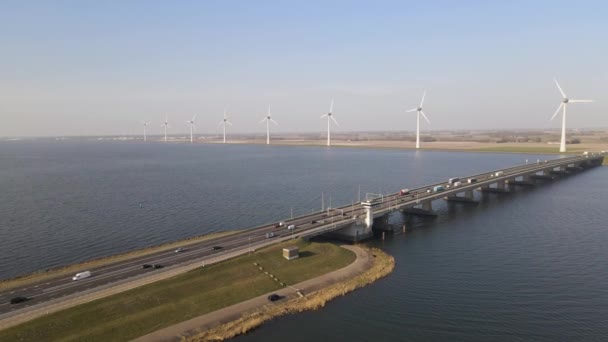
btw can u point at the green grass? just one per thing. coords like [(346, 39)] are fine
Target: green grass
[(143, 310), (605, 161)]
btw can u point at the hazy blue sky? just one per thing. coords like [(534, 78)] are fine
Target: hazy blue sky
[(100, 67)]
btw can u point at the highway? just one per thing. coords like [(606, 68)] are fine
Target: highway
[(54, 289)]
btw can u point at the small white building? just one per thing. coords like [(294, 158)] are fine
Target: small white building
[(291, 253)]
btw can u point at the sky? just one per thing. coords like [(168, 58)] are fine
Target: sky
[(102, 67)]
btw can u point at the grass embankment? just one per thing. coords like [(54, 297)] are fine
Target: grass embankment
[(71, 269), (605, 163), (383, 264), (155, 306)]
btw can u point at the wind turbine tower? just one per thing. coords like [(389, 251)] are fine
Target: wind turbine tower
[(225, 122), (268, 119), (166, 124), (145, 125), (564, 104), (330, 118), (419, 112), (191, 122)]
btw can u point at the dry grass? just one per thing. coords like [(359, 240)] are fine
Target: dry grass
[(70, 269), (383, 264)]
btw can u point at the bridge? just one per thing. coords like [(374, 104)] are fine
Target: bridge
[(355, 222), (352, 222)]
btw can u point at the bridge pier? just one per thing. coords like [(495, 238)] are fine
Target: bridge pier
[(558, 171), (359, 230), (467, 198), (500, 187), (544, 176), (425, 209), (526, 180)]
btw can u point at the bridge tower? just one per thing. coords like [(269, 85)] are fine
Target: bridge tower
[(361, 228)]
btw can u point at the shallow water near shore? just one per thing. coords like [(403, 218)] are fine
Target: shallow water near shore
[(528, 265)]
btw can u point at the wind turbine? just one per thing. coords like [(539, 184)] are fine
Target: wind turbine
[(225, 122), (268, 119), (191, 122), (166, 124), (329, 119), (419, 112), (564, 104), (145, 125)]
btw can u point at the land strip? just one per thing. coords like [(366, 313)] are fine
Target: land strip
[(382, 265), (232, 313), (163, 303)]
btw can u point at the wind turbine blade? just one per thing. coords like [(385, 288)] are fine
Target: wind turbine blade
[(229, 123), (557, 111), (422, 101), (331, 106), (194, 118), (425, 118), (560, 88), (322, 116), (219, 124), (411, 110), (264, 119), (268, 110), (334, 120), (274, 122), (580, 101)]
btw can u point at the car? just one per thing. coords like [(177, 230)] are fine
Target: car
[(179, 250), (81, 275), (19, 299), (291, 227), (279, 224), (270, 235), (215, 248), (274, 297), (155, 266)]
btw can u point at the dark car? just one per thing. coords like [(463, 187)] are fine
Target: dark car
[(215, 248), (274, 297), (157, 266), (19, 299), (146, 266)]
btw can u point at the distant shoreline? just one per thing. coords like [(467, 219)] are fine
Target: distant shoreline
[(439, 146)]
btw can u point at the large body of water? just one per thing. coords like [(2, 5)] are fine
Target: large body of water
[(529, 265)]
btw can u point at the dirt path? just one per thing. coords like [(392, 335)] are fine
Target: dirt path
[(231, 313)]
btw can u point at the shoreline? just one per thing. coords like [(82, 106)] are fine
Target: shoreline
[(468, 146), (313, 294)]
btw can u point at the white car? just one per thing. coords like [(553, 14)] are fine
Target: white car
[(179, 250)]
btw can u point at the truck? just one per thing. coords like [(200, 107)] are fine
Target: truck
[(438, 188), (498, 173), (404, 192), (291, 227), (81, 275), (453, 180), (457, 184), (472, 180)]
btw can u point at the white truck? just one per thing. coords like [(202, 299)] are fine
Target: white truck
[(81, 275)]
